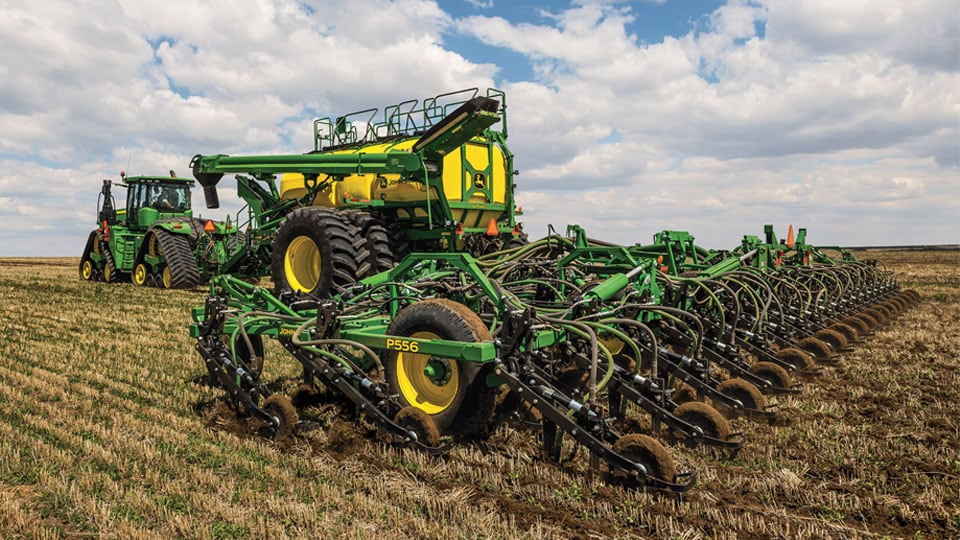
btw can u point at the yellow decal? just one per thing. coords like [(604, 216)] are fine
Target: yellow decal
[(402, 345), (287, 331)]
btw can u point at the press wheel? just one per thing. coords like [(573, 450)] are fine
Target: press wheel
[(705, 417), (743, 391), (801, 360), (648, 452), (775, 374), (280, 407), (419, 422), (817, 348)]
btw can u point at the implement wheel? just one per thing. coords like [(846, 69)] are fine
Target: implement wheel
[(438, 385), (280, 407), (817, 348), (318, 252), (847, 331), (833, 338), (648, 452), (420, 423), (801, 360), (776, 375), (743, 391), (705, 417), (859, 325)]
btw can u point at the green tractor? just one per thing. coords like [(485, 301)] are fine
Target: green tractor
[(156, 240)]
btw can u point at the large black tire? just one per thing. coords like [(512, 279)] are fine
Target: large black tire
[(181, 270), (318, 252), (110, 274), (457, 399), (377, 239)]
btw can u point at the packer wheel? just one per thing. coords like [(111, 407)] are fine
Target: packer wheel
[(705, 417), (833, 338), (743, 391), (801, 360), (648, 452), (280, 407), (436, 385), (420, 423), (857, 324), (849, 333), (777, 376), (817, 348)]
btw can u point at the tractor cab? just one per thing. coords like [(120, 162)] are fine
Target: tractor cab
[(150, 198)]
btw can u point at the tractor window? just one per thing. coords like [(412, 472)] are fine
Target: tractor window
[(170, 198), (136, 199)]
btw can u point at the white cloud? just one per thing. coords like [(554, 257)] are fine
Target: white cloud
[(839, 116)]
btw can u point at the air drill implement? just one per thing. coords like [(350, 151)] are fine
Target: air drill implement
[(439, 354), (582, 338)]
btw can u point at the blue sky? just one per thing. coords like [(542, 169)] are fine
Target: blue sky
[(627, 117)]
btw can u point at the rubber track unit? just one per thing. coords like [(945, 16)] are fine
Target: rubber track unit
[(179, 257), (344, 254), (108, 264)]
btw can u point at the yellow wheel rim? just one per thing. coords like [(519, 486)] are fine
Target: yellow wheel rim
[(140, 275), (301, 264), (87, 270), (96, 246), (153, 247), (166, 278), (107, 273), (431, 394)]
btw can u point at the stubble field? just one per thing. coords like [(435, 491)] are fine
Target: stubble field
[(107, 430)]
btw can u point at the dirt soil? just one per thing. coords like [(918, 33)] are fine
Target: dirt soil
[(110, 428)]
